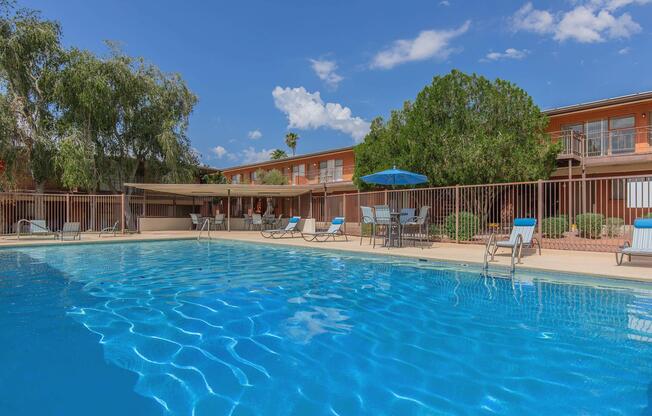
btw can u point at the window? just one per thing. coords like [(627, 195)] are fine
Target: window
[(639, 193), (298, 171), (622, 134), (339, 170), (236, 178), (254, 176), (331, 170), (596, 138)]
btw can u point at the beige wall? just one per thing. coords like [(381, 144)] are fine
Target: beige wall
[(164, 224)]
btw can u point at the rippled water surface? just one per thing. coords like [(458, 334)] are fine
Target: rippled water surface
[(212, 328)]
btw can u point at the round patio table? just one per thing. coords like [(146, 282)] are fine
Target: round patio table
[(393, 237)]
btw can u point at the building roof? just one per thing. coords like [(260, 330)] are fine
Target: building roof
[(196, 189), (608, 102), (288, 159)]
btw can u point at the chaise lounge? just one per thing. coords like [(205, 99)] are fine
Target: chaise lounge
[(333, 231), (641, 244), (291, 228), (522, 236)]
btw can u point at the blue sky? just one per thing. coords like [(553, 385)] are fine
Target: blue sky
[(324, 69)]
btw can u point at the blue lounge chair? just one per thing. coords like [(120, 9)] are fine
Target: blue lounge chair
[(333, 231), (522, 236), (641, 244), (291, 228)]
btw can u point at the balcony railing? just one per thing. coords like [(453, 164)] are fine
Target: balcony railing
[(602, 143)]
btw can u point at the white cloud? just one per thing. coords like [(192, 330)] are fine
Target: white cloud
[(510, 53), (325, 70), (428, 44), (586, 25), (255, 134), (219, 151), (306, 110), (528, 19), (251, 155), (444, 3), (587, 22), (624, 51)]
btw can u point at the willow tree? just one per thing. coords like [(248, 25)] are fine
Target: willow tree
[(30, 57), (129, 115)]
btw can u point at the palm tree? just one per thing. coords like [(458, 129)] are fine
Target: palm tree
[(278, 154), (291, 140)]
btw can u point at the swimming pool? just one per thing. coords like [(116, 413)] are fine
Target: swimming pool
[(211, 328)]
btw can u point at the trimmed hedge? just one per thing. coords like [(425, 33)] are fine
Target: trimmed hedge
[(615, 226), (589, 225), (469, 224), (554, 227)]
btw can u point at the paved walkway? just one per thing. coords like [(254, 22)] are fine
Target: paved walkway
[(600, 264)]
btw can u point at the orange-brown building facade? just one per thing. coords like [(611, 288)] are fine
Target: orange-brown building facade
[(609, 137)]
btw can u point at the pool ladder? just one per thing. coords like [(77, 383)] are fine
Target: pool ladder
[(490, 250), (205, 226)]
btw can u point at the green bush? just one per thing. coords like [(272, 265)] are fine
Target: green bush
[(469, 224), (365, 230), (615, 226), (589, 225), (648, 215), (437, 230), (554, 227)]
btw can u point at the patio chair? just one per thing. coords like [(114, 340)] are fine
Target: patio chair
[(291, 228), (368, 218), (407, 214), (522, 236), (110, 230), (384, 219), (196, 221), (333, 231), (418, 223), (38, 228), (641, 244), (257, 221), (218, 222), (70, 229)]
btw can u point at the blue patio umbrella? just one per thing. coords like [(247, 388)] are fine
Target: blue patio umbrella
[(395, 177)]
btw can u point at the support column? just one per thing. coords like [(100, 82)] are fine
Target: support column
[(310, 205), (570, 193), (122, 213), (457, 213), (539, 209), (67, 207), (228, 211)]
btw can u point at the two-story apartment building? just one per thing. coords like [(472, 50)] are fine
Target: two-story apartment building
[(330, 169), (607, 137)]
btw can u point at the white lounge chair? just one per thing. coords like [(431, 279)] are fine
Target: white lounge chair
[(522, 236), (70, 229), (291, 228), (333, 231), (38, 228), (641, 244), (110, 230)]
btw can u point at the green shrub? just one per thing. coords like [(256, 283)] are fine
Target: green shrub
[(365, 230), (554, 227), (437, 230), (589, 225), (614, 226), (648, 215), (469, 224)]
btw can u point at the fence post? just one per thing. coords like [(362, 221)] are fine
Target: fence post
[(457, 213), (67, 207), (539, 209), (122, 212), (386, 197)]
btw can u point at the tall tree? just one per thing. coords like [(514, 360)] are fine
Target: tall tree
[(30, 56), (278, 154), (291, 140), (462, 129), (132, 116)]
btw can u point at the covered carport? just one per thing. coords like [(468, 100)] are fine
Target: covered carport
[(293, 200)]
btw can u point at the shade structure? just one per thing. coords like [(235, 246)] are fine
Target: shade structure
[(395, 177), (235, 190)]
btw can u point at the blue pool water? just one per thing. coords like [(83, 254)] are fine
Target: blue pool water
[(213, 328)]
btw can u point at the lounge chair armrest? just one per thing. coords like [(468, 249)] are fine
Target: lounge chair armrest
[(625, 245)]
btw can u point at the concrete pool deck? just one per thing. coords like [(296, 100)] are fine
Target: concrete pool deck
[(583, 262)]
